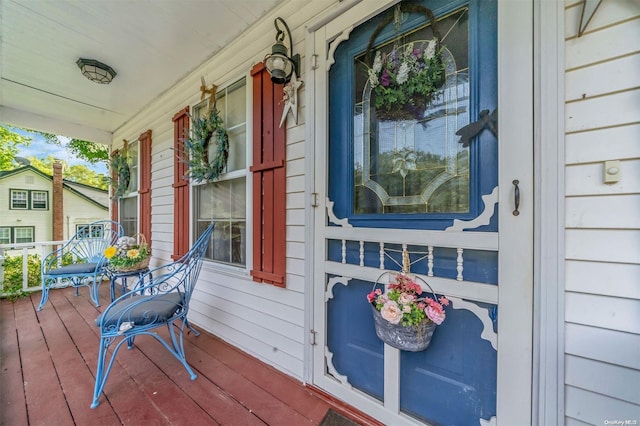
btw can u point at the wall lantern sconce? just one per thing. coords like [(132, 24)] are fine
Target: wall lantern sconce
[(96, 71), (279, 65)]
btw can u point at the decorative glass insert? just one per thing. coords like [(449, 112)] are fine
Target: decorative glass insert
[(413, 163)]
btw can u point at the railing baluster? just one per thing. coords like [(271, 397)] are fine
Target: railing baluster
[(361, 253), (381, 255), (25, 268), (430, 262), (344, 251), (460, 264)]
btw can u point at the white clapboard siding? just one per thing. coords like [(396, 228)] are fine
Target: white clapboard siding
[(601, 311), (604, 111), (588, 179), (608, 42), (595, 408), (588, 277), (595, 212), (603, 78), (615, 381), (621, 142), (600, 344), (603, 245)]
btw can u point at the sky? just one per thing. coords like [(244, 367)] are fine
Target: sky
[(39, 148)]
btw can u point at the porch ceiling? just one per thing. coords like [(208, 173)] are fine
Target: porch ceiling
[(150, 44)]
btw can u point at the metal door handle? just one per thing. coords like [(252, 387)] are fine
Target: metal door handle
[(516, 195)]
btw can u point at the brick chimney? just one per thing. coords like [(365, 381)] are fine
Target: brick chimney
[(56, 205)]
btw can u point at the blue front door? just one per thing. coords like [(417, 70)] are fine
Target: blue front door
[(420, 175)]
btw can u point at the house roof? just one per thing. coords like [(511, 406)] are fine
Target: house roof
[(152, 45), (6, 173)]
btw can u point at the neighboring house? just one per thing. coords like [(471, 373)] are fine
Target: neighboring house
[(28, 206), (529, 230)]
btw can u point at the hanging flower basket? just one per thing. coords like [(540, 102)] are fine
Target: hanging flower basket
[(413, 338), (403, 319), (406, 79)]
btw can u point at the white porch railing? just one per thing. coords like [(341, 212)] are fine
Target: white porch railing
[(41, 248)]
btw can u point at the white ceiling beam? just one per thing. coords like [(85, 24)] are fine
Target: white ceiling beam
[(24, 119)]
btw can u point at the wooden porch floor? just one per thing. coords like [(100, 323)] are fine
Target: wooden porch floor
[(48, 362)]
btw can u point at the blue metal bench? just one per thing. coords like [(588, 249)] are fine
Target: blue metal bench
[(163, 301), (86, 252)]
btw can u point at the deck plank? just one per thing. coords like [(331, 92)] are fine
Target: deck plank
[(48, 361), (13, 410)]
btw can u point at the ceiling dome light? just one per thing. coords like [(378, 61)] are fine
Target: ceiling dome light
[(96, 71)]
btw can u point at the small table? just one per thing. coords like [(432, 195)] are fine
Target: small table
[(122, 276)]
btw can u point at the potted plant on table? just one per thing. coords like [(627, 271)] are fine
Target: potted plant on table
[(128, 254)]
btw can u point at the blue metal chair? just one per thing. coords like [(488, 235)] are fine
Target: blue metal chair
[(163, 300), (85, 253)]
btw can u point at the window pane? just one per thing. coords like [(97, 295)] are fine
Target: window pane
[(237, 149), (133, 166), (39, 200), (5, 235), (235, 112), (24, 235), (223, 203), (129, 215), (18, 199)]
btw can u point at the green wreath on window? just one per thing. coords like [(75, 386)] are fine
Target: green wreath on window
[(205, 130), (120, 168)]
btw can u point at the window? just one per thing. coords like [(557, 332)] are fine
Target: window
[(93, 231), (5, 235), (23, 199), (19, 199), (128, 208), (17, 234), (224, 201), (39, 200)]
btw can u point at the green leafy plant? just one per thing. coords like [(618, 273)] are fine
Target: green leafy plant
[(12, 284), (204, 131), (120, 168), (125, 256), (405, 80)]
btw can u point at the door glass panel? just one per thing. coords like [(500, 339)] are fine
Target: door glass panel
[(408, 160)]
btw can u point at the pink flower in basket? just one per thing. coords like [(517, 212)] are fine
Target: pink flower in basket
[(401, 304)]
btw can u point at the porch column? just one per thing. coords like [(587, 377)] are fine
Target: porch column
[(56, 204)]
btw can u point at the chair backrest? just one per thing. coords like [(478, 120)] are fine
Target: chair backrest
[(182, 274), (89, 243)]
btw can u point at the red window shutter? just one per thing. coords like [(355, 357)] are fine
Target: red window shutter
[(114, 200), (144, 190), (269, 181), (180, 185)]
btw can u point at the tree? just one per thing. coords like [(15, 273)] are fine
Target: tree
[(76, 173), (89, 151), (9, 142)]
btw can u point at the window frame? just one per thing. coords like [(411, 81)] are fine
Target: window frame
[(12, 200), (132, 190), (12, 234), (29, 201), (46, 199), (242, 269)]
